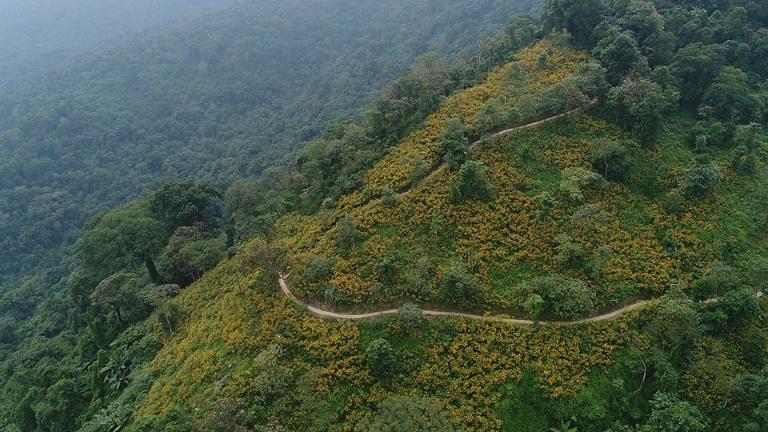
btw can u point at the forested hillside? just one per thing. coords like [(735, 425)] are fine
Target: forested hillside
[(607, 154), (221, 99), (38, 35)]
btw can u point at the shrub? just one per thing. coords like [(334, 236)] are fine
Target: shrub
[(409, 317), (455, 144), (609, 158), (387, 271), (381, 358), (472, 183), (319, 269), (388, 197), (459, 286)]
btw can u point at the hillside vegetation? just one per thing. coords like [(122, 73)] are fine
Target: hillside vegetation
[(653, 187), (216, 100)]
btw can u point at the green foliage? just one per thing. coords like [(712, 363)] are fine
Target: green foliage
[(459, 286), (409, 317), (563, 297), (670, 414), (731, 97), (610, 159), (388, 198), (183, 204), (387, 271), (534, 306), (675, 324), (191, 252), (735, 309), (699, 181), (225, 415), (579, 18), (641, 104), (347, 233), (121, 238), (619, 52), (381, 358), (262, 254), (408, 414), (455, 144), (576, 180), (319, 269), (472, 183)]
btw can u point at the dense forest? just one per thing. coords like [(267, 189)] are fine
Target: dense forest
[(219, 100), (654, 188), (40, 35)]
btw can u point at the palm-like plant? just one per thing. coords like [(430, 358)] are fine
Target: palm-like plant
[(565, 426)]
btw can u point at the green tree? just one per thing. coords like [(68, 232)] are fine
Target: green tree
[(732, 98), (387, 270), (641, 104), (534, 306), (270, 257), (455, 144), (695, 66), (347, 233), (117, 294), (408, 414), (619, 53), (578, 17), (610, 159), (459, 286), (190, 252), (381, 358), (409, 317), (675, 324), (118, 238), (735, 309), (472, 183), (670, 414), (182, 204), (700, 181), (319, 269)]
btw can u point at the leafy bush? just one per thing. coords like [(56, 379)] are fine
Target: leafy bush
[(459, 286), (409, 317), (472, 183), (381, 358)]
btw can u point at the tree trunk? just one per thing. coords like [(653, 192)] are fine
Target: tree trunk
[(152, 269)]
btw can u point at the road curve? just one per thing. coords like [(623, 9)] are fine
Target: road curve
[(328, 314), (504, 133)]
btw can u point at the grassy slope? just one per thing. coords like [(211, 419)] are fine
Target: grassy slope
[(490, 376), (632, 247)]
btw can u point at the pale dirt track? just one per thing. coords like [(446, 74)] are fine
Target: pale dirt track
[(285, 288), (327, 314)]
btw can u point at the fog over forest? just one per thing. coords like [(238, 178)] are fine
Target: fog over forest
[(38, 34)]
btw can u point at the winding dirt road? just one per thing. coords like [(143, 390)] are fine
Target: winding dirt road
[(285, 288), (328, 314)]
